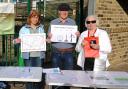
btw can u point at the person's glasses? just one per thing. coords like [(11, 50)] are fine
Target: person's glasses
[(88, 22)]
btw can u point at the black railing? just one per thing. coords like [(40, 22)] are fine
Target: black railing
[(8, 51)]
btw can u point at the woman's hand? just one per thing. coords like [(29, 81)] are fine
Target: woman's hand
[(17, 40), (95, 46), (48, 40), (84, 42)]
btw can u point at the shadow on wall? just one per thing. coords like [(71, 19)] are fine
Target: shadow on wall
[(124, 5)]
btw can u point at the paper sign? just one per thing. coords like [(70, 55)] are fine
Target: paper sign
[(33, 42), (7, 18), (52, 70), (64, 33)]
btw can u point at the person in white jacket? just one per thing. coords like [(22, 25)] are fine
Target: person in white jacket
[(99, 63)]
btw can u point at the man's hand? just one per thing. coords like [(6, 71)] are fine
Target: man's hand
[(49, 35), (77, 33), (48, 40)]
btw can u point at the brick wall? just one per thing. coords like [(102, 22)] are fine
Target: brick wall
[(115, 20)]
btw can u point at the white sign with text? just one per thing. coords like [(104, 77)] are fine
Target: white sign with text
[(33, 42), (64, 33)]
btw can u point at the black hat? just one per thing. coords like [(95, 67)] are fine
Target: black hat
[(64, 7)]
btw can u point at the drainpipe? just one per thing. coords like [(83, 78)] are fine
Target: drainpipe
[(29, 6), (40, 6), (81, 16)]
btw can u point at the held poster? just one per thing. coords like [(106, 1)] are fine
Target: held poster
[(33, 42), (7, 21), (90, 52), (64, 33)]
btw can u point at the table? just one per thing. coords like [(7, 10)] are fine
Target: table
[(21, 74), (109, 79), (101, 79)]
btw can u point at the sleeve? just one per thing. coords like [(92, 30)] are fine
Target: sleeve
[(49, 28), (21, 31), (73, 22), (78, 47), (104, 42), (41, 30)]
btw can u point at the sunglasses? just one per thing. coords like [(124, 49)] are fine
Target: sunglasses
[(88, 22)]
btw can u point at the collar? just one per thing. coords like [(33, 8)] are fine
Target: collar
[(66, 20), (95, 33), (28, 26)]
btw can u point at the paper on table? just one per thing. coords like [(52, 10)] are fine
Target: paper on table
[(52, 70), (99, 78), (120, 78), (109, 78)]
